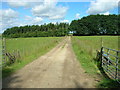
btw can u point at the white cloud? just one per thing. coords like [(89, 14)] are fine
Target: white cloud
[(58, 13), (77, 16), (8, 14), (18, 4), (37, 20), (28, 3), (8, 18), (49, 10), (53, 22), (29, 20), (44, 9), (8, 24), (28, 17), (102, 6), (106, 13), (24, 3), (65, 21)]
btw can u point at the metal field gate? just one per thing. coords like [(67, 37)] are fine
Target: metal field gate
[(111, 63)]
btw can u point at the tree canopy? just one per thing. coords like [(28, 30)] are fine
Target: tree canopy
[(89, 25), (45, 30), (96, 25)]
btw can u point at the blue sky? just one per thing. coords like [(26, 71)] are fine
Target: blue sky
[(37, 13), (76, 7)]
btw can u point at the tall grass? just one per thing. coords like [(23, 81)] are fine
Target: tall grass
[(0, 57), (30, 49), (95, 41), (85, 49)]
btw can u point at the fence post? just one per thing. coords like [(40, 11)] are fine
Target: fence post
[(3, 50), (116, 74), (101, 64)]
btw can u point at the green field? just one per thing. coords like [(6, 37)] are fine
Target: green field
[(29, 49), (85, 49)]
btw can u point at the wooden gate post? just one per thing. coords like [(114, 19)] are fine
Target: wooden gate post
[(101, 57)]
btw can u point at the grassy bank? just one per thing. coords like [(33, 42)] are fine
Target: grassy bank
[(29, 49), (85, 49)]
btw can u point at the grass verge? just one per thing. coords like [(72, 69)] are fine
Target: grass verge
[(85, 49), (84, 56)]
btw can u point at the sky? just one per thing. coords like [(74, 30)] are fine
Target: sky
[(37, 12)]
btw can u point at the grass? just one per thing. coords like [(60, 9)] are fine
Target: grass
[(108, 83), (30, 49), (85, 49), (0, 57)]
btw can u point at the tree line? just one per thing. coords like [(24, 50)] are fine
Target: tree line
[(89, 25), (46, 30), (96, 25)]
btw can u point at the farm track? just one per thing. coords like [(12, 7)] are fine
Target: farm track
[(56, 69)]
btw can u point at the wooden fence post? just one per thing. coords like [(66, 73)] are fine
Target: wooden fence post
[(101, 64), (101, 57), (3, 50)]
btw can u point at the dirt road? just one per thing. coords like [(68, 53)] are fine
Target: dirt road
[(56, 69)]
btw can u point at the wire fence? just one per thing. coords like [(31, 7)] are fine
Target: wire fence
[(9, 57)]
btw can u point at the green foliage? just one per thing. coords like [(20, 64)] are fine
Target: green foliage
[(48, 30), (107, 83), (96, 25)]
